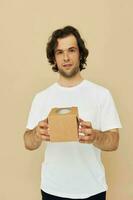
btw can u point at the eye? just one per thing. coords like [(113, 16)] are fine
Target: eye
[(72, 50), (59, 52)]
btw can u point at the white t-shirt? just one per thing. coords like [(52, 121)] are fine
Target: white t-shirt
[(73, 169)]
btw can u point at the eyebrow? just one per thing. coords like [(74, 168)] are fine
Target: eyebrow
[(66, 49)]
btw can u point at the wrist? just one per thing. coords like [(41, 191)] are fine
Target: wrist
[(98, 135), (37, 137)]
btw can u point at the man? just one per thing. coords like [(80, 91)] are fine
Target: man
[(73, 170)]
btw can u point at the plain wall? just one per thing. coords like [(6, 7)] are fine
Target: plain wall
[(107, 28)]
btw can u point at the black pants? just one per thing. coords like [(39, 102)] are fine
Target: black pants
[(100, 196)]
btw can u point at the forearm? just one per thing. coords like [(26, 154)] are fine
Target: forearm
[(31, 140), (106, 141)]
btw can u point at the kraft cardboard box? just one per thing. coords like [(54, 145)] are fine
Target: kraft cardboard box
[(63, 124)]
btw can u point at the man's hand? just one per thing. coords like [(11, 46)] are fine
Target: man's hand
[(89, 134), (106, 141), (42, 130), (34, 137)]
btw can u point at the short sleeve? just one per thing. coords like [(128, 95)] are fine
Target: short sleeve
[(34, 114), (109, 117)]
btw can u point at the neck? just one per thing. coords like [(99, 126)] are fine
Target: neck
[(69, 82)]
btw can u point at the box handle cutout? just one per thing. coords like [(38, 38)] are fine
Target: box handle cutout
[(63, 111)]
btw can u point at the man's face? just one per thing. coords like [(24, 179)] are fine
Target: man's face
[(67, 56)]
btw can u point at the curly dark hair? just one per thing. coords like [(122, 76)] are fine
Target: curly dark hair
[(62, 33)]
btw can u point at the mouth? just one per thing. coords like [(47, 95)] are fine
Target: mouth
[(67, 65)]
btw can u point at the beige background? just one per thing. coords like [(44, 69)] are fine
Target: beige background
[(25, 26)]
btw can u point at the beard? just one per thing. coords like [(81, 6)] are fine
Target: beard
[(69, 73)]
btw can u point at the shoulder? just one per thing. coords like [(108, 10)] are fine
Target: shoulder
[(96, 88), (43, 94), (46, 91), (100, 93)]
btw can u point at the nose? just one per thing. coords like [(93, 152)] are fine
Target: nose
[(66, 56)]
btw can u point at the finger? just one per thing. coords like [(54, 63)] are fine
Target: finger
[(85, 124), (44, 132), (85, 139), (41, 131), (46, 138), (46, 120), (43, 124), (80, 120), (86, 131)]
